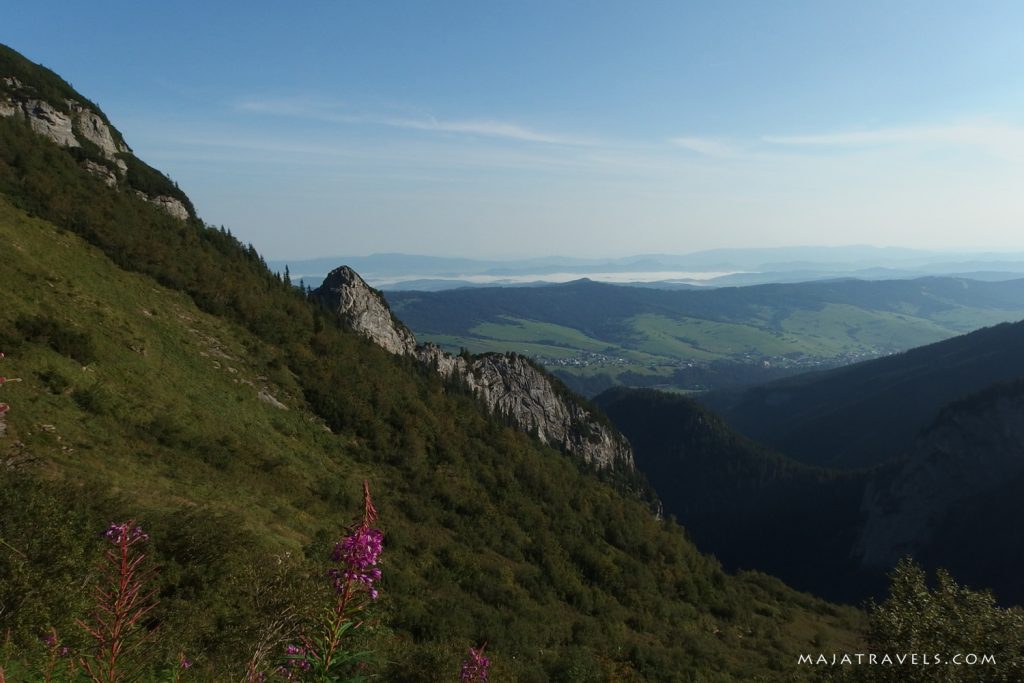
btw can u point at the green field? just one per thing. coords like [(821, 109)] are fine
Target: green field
[(658, 345)]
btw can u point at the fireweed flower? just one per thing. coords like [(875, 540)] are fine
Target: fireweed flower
[(124, 598), (354, 581), (358, 554), (474, 668)]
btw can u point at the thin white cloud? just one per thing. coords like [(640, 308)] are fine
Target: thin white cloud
[(995, 138), (483, 128), (709, 147)]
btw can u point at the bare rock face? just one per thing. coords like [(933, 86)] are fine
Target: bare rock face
[(170, 205), (70, 129), (101, 171), (67, 129), (967, 455), (365, 310), (93, 128), (508, 384), (47, 121), (511, 385)]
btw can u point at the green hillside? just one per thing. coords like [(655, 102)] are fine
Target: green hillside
[(168, 376), (863, 414), (596, 335)]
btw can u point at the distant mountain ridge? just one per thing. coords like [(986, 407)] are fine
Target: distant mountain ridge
[(741, 266)]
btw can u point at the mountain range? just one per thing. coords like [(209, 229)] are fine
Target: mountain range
[(717, 267)]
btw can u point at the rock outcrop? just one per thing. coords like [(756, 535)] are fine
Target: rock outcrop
[(168, 204), (365, 309), (508, 384), (93, 128), (73, 124), (66, 125)]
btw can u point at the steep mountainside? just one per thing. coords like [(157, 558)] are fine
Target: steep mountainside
[(596, 335), (169, 376), (863, 414), (951, 501), (750, 506), (508, 384), (954, 500)]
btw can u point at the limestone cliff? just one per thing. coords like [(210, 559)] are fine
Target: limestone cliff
[(365, 309), (73, 124), (973, 450), (508, 384)]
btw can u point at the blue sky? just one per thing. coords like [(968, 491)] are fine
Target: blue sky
[(595, 128)]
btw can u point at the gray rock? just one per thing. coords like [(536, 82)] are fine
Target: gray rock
[(93, 128), (365, 309), (508, 384), (168, 204), (171, 206), (103, 172), (47, 121), (63, 128)]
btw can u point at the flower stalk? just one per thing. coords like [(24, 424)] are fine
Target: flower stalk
[(122, 601), (354, 581)]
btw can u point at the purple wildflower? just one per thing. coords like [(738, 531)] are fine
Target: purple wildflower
[(186, 663), (125, 533), (358, 552), (474, 669), (298, 657)]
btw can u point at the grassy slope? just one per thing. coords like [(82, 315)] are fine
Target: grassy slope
[(490, 537), (166, 379)]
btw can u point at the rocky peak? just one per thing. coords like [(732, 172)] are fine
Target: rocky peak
[(508, 384), (365, 310)]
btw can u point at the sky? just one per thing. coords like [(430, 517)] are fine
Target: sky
[(496, 129)]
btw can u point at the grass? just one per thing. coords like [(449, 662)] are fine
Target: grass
[(164, 375)]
